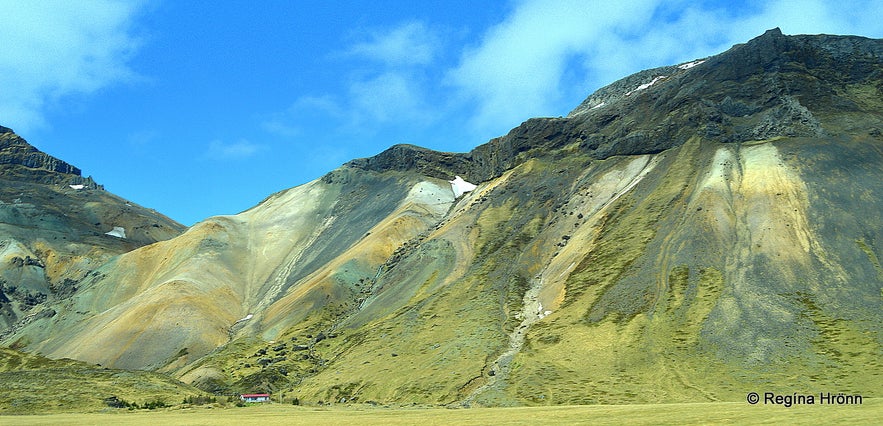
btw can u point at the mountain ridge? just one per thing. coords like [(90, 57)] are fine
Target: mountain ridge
[(771, 51)]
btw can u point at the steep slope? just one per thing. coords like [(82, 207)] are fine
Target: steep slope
[(239, 275), (56, 227), (688, 233)]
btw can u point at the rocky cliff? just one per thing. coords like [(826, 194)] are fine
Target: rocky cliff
[(21, 161)]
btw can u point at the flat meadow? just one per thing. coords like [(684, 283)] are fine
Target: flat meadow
[(869, 412)]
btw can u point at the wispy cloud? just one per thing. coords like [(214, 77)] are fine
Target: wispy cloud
[(219, 150), (53, 49), (386, 85), (410, 43), (392, 86)]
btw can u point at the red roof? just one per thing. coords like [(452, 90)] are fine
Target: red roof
[(253, 395)]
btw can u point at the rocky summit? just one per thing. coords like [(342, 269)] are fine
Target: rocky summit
[(689, 233)]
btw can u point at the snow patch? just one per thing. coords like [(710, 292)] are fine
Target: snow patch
[(689, 65), (541, 313), (118, 231), (430, 193), (77, 187), (247, 317), (460, 186), (599, 105), (646, 85)]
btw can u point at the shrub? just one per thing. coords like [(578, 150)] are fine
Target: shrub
[(114, 402), (154, 404), (200, 400)]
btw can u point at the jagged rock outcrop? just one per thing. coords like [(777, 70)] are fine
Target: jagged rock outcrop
[(404, 157), (21, 161)]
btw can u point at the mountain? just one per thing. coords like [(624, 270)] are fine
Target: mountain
[(56, 227), (688, 233)]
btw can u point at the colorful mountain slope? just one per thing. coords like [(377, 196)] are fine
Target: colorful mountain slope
[(689, 233)]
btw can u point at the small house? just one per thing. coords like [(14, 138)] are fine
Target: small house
[(255, 397)]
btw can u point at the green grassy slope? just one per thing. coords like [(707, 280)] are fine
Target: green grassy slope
[(34, 384), (696, 296)]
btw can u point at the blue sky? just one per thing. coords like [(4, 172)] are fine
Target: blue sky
[(198, 109)]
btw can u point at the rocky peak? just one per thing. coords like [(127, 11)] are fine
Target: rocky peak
[(20, 160), (405, 157)]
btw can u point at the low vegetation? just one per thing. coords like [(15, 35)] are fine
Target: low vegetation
[(34, 384), (685, 414)]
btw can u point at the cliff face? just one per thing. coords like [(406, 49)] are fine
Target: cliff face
[(15, 151), (689, 233), (21, 161)]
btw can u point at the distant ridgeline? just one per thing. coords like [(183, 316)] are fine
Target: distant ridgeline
[(21, 161)]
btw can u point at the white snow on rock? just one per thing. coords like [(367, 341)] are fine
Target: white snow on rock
[(77, 187), (599, 105), (542, 313), (689, 65), (460, 186), (247, 317), (646, 85), (118, 231)]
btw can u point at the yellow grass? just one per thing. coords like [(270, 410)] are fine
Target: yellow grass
[(870, 412)]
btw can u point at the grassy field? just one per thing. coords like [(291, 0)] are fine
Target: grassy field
[(31, 384), (870, 412)]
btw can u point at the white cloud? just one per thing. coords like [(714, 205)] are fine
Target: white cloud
[(53, 49), (515, 71), (410, 43), (242, 148)]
